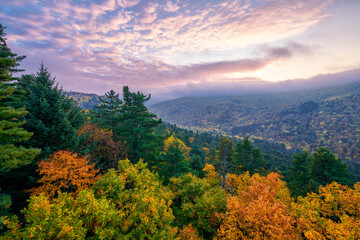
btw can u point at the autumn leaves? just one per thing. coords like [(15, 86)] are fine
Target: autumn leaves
[(132, 203)]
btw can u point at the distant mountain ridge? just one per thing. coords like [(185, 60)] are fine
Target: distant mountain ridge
[(305, 119), (85, 100)]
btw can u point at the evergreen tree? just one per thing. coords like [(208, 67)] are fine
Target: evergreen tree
[(173, 162), (53, 117), (225, 159), (107, 114), (326, 168), (299, 180), (12, 133), (197, 159), (248, 158), (136, 127)]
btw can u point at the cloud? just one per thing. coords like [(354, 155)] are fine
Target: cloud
[(146, 44), (254, 85), (171, 6)]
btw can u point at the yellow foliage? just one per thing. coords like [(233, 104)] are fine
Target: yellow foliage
[(212, 176), (333, 213), (172, 140)]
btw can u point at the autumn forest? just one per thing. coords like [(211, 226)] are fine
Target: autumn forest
[(118, 171)]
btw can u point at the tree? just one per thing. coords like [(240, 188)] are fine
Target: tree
[(143, 200), (197, 203), (248, 159), (225, 159), (197, 160), (299, 180), (172, 162), (65, 171), (53, 117), (326, 168), (107, 114), (99, 144), (12, 133), (129, 203), (137, 127), (332, 213), (260, 208)]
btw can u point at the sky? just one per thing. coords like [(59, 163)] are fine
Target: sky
[(174, 48)]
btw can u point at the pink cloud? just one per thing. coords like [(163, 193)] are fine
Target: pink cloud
[(113, 42)]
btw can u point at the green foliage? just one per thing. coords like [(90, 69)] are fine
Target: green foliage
[(197, 160), (107, 113), (172, 162), (5, 204), (225, 161), (299, 180), (248, 159), (136, 127), (277, 155), (53, 117), (326, 168), (309, 172), (11, 131), (143, 200), (197, 203)]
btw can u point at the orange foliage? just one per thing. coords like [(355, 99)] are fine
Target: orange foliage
[(65, 171), (188, 233), (259, 209), (333, 213), (207, 150)]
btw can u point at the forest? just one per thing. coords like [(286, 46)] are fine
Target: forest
[(307, 119), (119, 172)]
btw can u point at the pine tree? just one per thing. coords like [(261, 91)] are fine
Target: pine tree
[(299, 180), (107, 114), (11, 131), (326, 168), (53, 117), (248, 158), (136, 127), (197, 160), (225, 159), (173, 162)]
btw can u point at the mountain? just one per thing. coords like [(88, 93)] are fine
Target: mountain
[(84, 100), (304, 119)]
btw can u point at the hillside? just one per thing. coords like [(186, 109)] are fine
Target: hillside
[(306, 119), (85, 100)]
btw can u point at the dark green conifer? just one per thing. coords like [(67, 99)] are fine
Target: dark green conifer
[(225, 159), (197, 159), (248, 158), (326, 168), (173, 162), (107, 114), (299, 180), (53, 117), (12, 133), (136, 127)]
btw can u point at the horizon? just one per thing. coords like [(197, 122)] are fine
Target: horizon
[(172, 49)]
